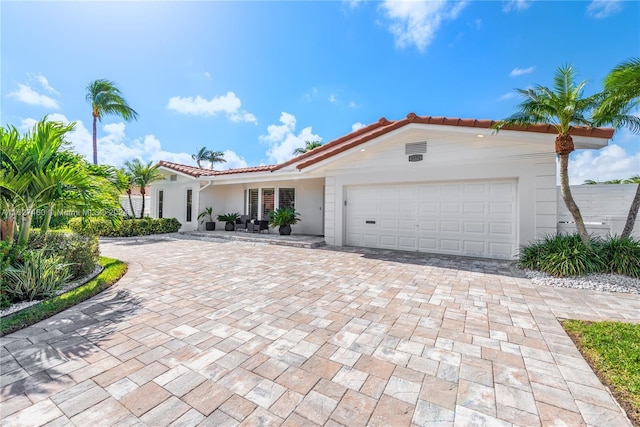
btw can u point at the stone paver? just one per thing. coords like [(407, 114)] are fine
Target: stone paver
[(235, 333)]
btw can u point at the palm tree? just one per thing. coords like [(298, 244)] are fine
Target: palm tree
[(622, 95), (562, 107), (142, 175), (201, 155), (105, 99), (308, 146), (215, 157), (37, 172)]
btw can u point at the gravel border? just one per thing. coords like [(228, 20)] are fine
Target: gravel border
[(594, 282)]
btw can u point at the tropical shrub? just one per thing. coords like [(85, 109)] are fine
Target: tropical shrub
[(126, 228), (565, 255), (561, 255), (79, 252), (283, 216), (621, 255), (39, 275)]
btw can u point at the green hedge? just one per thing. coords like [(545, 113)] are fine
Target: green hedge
[(126, 228), (81, 252)]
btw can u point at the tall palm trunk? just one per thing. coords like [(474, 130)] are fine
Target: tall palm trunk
[(47, 219), (133, 213), (564, 146), (7, 228), (633, 214), (95, 139), (25, 227), (142, 192)]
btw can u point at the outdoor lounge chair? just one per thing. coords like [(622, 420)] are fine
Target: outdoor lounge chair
[(242, 222), (258, 226)]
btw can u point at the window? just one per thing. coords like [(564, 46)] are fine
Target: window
[(189, 204), (268, 202), (160, 202), (253, 203), (286, 198)]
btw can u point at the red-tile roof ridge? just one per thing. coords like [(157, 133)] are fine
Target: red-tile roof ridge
[(377, 129), (198, 172), (383, 126)]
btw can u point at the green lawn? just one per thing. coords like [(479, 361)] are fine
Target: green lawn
[(113, 271), (613, 351)]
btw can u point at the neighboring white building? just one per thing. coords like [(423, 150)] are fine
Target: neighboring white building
[(421, 183)]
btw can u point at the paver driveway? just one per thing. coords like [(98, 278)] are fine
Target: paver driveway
[(207, 333)]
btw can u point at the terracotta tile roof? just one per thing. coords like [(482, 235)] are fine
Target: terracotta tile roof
[(199, 172), (374, 130), (383, 126)]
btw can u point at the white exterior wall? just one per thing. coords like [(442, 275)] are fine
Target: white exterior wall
[(468, 158), (229, 198), (175, 201), (604, 208)]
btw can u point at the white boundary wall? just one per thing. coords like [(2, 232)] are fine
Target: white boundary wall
[(604, 208)]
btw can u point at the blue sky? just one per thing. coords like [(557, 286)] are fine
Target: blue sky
[(257, 79)]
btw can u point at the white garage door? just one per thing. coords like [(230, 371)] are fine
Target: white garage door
[(460, 218)]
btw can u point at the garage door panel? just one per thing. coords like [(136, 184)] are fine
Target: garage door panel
[(406, 243), (428, 245), (426, 208), (501, 208), (450, 245), (474, 227), (466, 218), (450, 190), (450, 208), (427, 225), (450, 226), (406, 225), (475, 208), (503, 228), (472, 247)]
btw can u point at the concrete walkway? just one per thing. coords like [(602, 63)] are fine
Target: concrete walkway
[(225, 334)]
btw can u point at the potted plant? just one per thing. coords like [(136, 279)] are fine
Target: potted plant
[(207, 213), (283, 218), (229, 220)]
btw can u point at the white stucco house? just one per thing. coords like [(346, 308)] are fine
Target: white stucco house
[(421, 183)]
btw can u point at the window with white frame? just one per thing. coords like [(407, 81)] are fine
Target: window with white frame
[(286, 198), (189, 204)]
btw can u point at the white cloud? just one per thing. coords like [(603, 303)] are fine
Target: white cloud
[(233, 161), (603, 8), (199, 106), (520, 71), (43, 82), (29, 96), (611, 162), (333, 99), (114, 146), (283, 140), (352, 104), (506, 96), (516, 5), (416, 22), (356, 126), (354, 3)]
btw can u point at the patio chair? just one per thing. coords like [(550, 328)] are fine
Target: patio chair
[(242, 222), (258, 226)]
